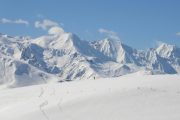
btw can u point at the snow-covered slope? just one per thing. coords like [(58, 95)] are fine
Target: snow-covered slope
[(158, 64), (130, 97), (115, 50), (171, 53), (70, 55), (14, 71), (66, 57)]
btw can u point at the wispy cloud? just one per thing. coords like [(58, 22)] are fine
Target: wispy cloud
[(9, 21), (45, 24), (109, 33), (178, 33), (20, 21)]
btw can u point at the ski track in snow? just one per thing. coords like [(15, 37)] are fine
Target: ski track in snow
[(134, 96)]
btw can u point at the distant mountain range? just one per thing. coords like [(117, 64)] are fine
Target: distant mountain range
[(25, 61)]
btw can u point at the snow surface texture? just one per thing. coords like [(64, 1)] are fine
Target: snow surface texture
[(129, 97), (59, 57)]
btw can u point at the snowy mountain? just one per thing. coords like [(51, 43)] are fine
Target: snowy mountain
[(119, 52), (25, 61), (171, 53), (157, 63)]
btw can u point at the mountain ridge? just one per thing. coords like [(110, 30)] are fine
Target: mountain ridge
[(67, 57)]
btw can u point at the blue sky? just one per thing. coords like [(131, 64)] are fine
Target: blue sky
[(138, 23)]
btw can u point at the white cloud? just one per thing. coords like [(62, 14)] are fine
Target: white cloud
[(109, 33), (4, 20), (18, 21), (55, 30), (178, 33), (52, 27), (45, 24)]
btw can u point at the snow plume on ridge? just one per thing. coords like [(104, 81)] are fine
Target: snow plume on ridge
[(109, 33), (55, 30), (18, 21), (159, 43)]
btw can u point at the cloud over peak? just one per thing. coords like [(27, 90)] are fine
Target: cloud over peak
[(52, 27), (45, 24), (55, 30)]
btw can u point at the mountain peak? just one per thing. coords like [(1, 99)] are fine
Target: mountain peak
[(165, 50), (115, 50)]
